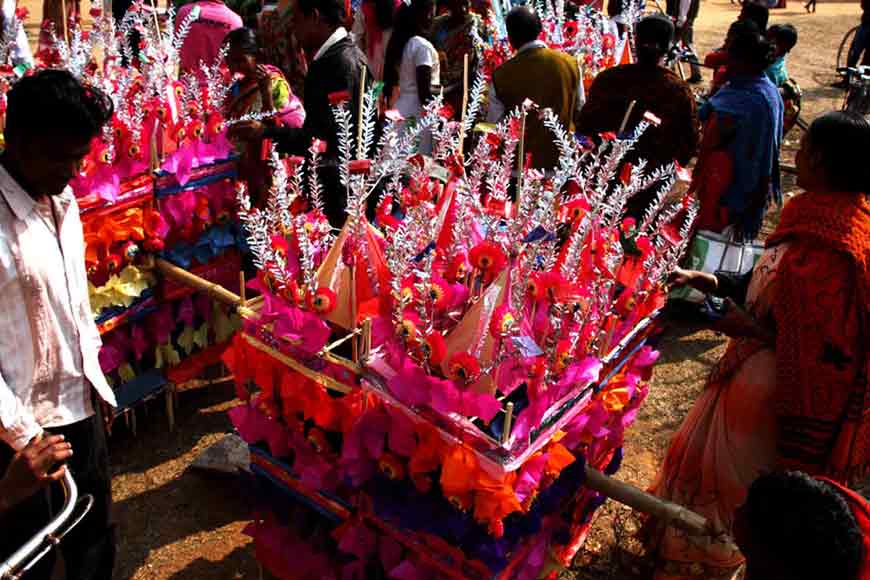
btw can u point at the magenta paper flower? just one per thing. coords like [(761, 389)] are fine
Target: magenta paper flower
[(185, 311), (450, 399), (358, 540)]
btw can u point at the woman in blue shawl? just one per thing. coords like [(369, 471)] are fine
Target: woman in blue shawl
[(737, 173)]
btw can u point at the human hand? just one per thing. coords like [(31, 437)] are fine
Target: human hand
[(29, 470), (246, 131), (262, 77), (700, 281), (738, 323)]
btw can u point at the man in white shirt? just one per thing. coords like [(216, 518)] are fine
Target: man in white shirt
[(50, 377)]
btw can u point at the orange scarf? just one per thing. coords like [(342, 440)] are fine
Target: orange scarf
[(835, 430)]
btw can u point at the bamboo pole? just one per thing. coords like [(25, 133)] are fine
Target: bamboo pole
[(65, 19), (360, 122), (216, 291), (624, 124), (464, 111), (508, 420), (669, 513), (315, 376), (521, 163), (243, 299)]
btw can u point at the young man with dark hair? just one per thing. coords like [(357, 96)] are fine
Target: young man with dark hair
[(549, 78), (653, 88), (784, 38), (50, 377), (795, 527), (335, 65)]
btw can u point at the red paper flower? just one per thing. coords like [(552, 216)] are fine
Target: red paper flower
[(359, 166), (129, 251), (458, 268), (338, 97), (113, 263), (575, 210), (570, 30), (446, 111), (391, 466), (503, 322), (318, 146), (154, 245), (440, 293), (21, 13), (280, 246), (608, 41), (433, 348), (608, 136), (154, 224), (536, 288), (197, 129), (487, 257), (463, 367), (625, 174), (292, 162), (322, 301), (409, 327)]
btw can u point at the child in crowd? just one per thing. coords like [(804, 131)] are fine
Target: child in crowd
[(784, 38), (796, 527)]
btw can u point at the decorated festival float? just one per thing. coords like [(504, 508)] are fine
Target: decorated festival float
[(441, 388), (158, 185), (445, 389)]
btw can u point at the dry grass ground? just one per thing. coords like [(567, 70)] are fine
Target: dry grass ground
[(174, 523)]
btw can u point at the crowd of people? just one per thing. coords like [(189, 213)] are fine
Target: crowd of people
[(783, 426)]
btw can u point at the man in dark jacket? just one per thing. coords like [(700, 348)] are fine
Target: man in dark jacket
[(335, 66)]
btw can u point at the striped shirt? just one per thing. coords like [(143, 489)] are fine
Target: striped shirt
[(49, 344)]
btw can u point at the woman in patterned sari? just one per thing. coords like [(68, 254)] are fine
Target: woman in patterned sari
[(792, 389), (259, 89)]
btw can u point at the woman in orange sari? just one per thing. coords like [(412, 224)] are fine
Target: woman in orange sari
[(792, 390)]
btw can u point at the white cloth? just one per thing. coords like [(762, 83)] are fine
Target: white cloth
[(418, 52), (334, 38), (49, 344), (20, 47), (496, 110)]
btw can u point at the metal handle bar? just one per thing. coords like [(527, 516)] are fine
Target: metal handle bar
[(50, 536)]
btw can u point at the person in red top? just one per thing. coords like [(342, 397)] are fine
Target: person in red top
[(207, 32)]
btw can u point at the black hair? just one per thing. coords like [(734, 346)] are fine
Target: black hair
[(805, 526), (406, 26), (654, 35), (331, 11), (384, 13), (53, 102), (785, 33), (748, 46), (841, 140), (523, 26), (756, 12), (244, 39)]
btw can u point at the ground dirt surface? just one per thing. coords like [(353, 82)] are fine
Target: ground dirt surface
[(174, 523)]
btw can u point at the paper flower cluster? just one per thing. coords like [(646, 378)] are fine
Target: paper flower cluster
[(478, 295), (161, 120)]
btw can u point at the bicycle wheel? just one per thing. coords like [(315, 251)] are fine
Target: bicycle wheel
[(843, 51)]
